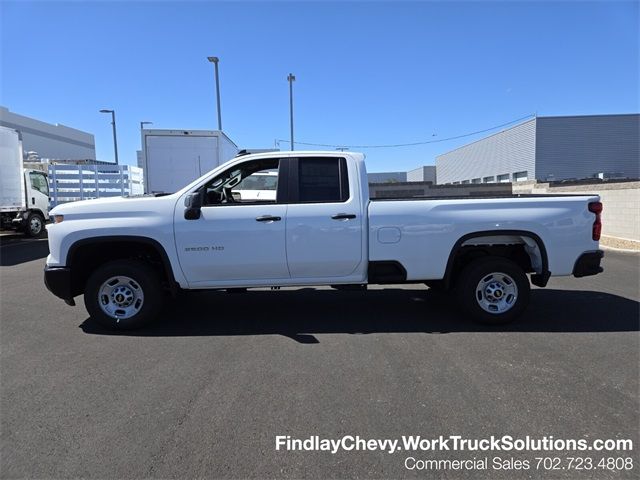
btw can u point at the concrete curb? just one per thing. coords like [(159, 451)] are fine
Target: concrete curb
[(615, 249)]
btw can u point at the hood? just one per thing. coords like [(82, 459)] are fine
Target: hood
[(111, 206)]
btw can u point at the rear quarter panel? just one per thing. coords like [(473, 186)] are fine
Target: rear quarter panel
[(429, 229)]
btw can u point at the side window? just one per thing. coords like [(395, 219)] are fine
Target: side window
[(261, 185), (322, 180), (248, 183), (39, 182)]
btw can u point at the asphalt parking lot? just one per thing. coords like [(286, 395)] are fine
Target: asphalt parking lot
[(205, 391)]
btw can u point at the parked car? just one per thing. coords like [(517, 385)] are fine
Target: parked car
[(321, 228)]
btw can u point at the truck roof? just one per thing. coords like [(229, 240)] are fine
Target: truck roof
[(304, 153), (357, 158)]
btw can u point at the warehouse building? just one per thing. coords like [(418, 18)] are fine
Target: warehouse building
[(387, 177), (549, 149), (426, 173), (45, 141)]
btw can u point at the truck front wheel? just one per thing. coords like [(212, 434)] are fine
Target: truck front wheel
[(35, 225), (493, 290), (123, 294)]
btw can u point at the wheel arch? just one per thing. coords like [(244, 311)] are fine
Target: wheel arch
[(80, 249), (38, 211), (534, 247)]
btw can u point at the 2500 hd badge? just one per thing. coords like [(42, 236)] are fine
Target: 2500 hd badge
[(204, 249)]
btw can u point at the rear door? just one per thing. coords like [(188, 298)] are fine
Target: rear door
[(324, 224)]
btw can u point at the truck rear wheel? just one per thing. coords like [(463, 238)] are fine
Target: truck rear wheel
[(123, 295), (35, 225), (493, 290)]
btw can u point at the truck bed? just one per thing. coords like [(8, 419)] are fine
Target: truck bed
[(403, 229)]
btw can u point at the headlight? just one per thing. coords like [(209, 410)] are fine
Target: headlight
[(58, 218)]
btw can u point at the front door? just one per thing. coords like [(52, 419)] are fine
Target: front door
[(236, 240), (38, 193)]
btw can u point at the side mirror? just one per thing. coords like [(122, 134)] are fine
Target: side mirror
[(193, 204)]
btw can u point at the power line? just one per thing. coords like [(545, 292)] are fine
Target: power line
[(414, 143)]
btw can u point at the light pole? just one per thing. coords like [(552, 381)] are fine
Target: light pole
[(291, 78), (113, 124), (142, 146), (215, 61)]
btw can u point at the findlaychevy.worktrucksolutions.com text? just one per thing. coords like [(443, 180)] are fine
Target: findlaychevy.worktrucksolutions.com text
[(456, 443)]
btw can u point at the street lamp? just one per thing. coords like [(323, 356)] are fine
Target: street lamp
[(291, 78), (215, 60), (142, 124), (113, 124)]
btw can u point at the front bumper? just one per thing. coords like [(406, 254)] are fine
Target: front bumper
[(588, 264), (58, 282)]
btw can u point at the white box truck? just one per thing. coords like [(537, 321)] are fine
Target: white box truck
[(174, 158), (24, 193)]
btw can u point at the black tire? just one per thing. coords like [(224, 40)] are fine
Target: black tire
[(35, 225), (470, 299), (144, 278)]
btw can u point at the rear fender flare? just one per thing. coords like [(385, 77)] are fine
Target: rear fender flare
[(534, 246)]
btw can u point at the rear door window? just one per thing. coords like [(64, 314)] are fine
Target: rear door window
[(322, 180)]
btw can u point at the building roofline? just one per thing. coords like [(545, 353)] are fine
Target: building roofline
[(43, 124), (488, 136), (592, 115), (536, 118)]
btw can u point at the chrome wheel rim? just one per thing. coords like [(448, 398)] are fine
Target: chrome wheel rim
[(120, 297), (35, 225), (497, 293)]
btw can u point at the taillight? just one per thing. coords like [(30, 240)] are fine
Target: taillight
[(596, 207)]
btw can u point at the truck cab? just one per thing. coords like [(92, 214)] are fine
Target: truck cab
[(32, 220)]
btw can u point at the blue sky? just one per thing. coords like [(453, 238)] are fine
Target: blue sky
[(367, 73)]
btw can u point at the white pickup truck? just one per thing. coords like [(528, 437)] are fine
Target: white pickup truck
[(127, 254)]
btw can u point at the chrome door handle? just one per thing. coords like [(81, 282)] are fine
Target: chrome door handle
[(268, 218), (343, 216)]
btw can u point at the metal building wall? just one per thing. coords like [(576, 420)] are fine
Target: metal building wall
[(382, 177), (582, 146), (426, 173), (56, 142), (506, 152)]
